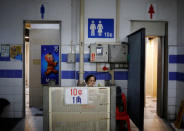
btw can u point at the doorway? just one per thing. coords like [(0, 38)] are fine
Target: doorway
[(37, 34), (155, 32), (151, 69), (147, 32)]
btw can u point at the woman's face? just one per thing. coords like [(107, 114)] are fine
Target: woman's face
[(91, 81)]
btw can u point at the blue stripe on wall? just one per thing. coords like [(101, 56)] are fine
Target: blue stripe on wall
[(121, 75), (68, 74), (64, 57), (176, 76), (176, 58), (99, 75), (10, 73), (86, 57), (77, 58), (4, 58), (118, 75)]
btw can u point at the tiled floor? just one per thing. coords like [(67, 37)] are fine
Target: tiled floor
[(34, 122), (151, 121)]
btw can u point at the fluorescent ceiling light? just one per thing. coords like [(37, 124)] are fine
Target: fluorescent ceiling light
[(44, 26), (26, 37)]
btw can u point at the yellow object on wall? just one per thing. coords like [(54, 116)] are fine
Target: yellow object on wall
[(16, 52)]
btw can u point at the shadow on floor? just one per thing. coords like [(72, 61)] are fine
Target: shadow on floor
[(7, 124)]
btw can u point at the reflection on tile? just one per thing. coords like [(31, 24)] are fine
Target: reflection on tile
[(152, 122), (32, 121)]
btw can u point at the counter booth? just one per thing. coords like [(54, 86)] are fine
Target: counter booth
[(79, 108)]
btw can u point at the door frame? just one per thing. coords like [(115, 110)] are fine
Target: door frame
[(23, 60), (164, 54), (165, 72)]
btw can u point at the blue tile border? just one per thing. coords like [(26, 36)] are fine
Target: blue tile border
[(68, 74), (10, 73), (4, 58), (179, 76), (118, 75), (176, 59)]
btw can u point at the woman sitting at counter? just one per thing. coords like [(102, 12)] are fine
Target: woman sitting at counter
[(90, 80)]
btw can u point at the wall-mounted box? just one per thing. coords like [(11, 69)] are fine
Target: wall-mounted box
[(118, 53), (99, 53), (71, 57)]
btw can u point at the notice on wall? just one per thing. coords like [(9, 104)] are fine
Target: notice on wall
[(16, 52), (5, 52), (36, 61), (76, 95)]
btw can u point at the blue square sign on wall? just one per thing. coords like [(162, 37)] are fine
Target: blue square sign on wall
[(100, 28)]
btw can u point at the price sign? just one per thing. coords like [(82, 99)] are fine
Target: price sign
[(76, 95)]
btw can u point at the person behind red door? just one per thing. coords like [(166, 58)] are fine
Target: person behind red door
[(90, 80)]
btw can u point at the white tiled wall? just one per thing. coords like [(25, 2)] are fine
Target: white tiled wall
[(171, 101), (11, 89), (11, 32), (13, 64), (175, 87), (179, 93), (12, 25), (172, 67), (68, 82), (180, 50)]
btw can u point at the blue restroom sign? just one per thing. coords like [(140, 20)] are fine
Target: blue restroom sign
[(100, 28)]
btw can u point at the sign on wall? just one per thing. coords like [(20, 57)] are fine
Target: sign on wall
[(49, 64), (5, 52), (76, 95), (151, 11), (100, 28), (16, 52)]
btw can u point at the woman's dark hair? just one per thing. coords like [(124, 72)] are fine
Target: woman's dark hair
[(88, 77)]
